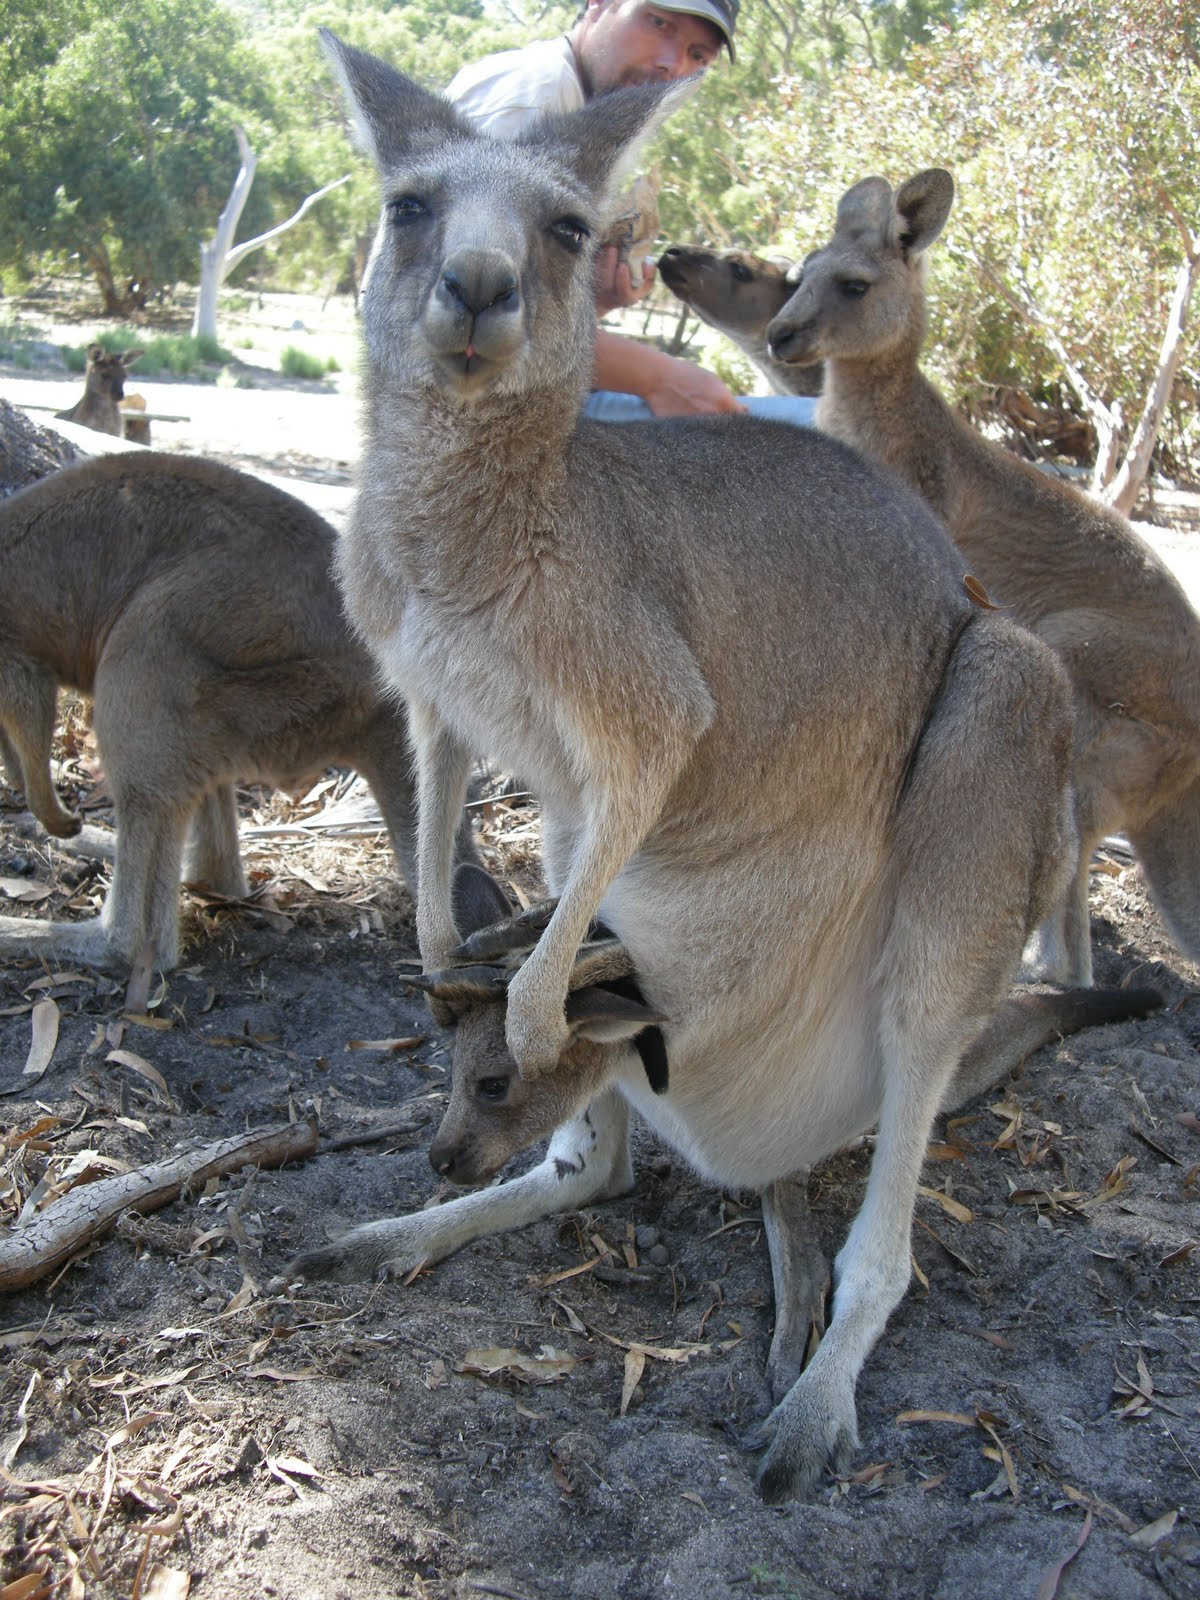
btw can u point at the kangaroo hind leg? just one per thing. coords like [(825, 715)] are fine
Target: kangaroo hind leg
[(28, 702), (975, 864), (1168, 850)]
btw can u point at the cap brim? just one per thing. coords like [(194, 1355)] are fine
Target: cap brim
[(710, 12)]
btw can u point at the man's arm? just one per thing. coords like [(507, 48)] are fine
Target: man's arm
[(669, 386)]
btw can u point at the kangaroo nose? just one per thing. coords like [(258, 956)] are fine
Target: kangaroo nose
[(479, 283)]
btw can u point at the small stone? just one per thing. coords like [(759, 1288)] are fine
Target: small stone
[(646, 1237), (658, 1255)]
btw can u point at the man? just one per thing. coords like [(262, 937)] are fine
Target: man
[(612, 44)]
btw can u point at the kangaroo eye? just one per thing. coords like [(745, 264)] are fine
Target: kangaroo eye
[(740, 273), (571, 232), (854, 288), (408, 208), (492, 1089)]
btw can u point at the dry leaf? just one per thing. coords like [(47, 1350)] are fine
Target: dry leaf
[(45, 1037), (1176, 1256), (1094, 1503), (28, 894), (961, 1418), (296, 1466), (1154, 1532), (635, 1365), (547, 1367), (979, 595), (1048, 1587), (33, 1586), (130, 1058), (953, 1208), (166, 1583), (386, 1046)]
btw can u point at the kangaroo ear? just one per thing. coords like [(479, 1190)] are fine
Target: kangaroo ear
[(390, 110), (866, 208), (128, 357), (479, 901), (95, 352), (920, 209), (603, 142), (608, 1018)]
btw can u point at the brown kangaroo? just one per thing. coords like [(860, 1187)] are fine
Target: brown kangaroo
[(1068, 568), (773, 736), (99, 407), (197, 606), (738, 294)]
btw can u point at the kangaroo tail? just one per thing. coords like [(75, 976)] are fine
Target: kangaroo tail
[(1030, 1020)]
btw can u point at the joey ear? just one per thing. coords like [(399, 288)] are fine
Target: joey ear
[(608, 1018), (390, 110), (479, 901), (128, 357), (604, 140), (866, 208), (96, 352), (919, 210)]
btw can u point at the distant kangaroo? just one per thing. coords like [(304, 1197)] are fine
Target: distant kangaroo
[(1067, 567), (197, 606), (738, 294), (104, 388), (819, 795)]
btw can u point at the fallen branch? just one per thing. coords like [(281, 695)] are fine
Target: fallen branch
[(86, 1213)]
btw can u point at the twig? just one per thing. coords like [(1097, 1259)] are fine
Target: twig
[(54, 1236), (351, 1141)]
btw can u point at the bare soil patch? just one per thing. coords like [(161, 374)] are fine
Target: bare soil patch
[(164, 1406)]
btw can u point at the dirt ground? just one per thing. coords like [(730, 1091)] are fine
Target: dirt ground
[(559, 1412)]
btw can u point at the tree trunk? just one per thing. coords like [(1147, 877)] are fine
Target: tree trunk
[(219, 257), (214, 254), (1123, 491)]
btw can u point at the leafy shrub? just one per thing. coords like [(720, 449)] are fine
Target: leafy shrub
[(176, 353), (295, 363)]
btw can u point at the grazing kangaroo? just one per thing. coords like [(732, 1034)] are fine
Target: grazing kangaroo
[(738, 294), (773, 736), (104, 388), (197, 605), (1068, 568)]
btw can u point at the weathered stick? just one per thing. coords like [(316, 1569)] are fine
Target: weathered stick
[(85, 1213)]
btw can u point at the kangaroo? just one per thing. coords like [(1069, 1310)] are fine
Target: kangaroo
[(741, 669), (738, 294), (494, 1113), (104, 388), (1071, 570), (197, 606)]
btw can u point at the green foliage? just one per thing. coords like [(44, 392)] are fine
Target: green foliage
[(294, 363), (1074, 167), (731, 366), (178, 354), (114, 121)]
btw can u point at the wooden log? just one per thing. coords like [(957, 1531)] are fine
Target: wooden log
[(88, 1212)]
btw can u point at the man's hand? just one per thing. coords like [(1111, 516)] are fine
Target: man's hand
[(614, 283), (685, 390)]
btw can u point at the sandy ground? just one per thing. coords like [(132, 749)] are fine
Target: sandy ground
[(172, 1422)]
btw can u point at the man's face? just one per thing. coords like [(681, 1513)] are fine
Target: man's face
[(622, 42)]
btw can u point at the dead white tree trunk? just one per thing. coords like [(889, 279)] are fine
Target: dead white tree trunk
[(1117, 480), (220, 255), (1123, 489)]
